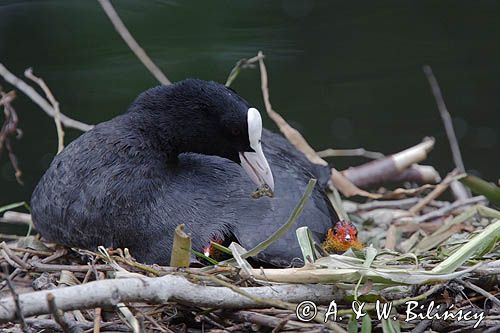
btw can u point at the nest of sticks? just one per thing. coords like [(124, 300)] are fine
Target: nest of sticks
[(450, 257)]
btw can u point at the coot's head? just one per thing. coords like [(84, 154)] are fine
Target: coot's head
[(208, 118)]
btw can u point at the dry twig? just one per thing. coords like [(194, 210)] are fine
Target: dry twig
[(48, 324), (360, 152), (132, 43), (242, 64), (169, 288), (66, 325), (446, 209), (458, 189), (436, 192), (55, 105), (40, 101), (288, 131), (15, 297), (9, 129), (390, 167)]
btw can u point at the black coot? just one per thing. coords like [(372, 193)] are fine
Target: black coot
[(184, 153)]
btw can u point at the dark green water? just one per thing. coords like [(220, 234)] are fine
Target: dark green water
[(347, 74)]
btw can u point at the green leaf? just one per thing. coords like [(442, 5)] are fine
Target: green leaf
[(221, 248), (371, 253), (390, 326), (479, 245), (477, 185), (13, 205), (366, 324), (202, 256), (352, 325)]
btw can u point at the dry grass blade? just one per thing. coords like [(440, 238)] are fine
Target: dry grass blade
[(306, 244), (129, 318), (333, 274)]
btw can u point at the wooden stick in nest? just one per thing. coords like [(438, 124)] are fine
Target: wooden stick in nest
[(390, 168), (169, 288)]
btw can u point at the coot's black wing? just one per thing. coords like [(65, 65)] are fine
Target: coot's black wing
[(211, 196)]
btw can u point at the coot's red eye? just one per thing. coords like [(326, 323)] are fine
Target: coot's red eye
[(235, 131)]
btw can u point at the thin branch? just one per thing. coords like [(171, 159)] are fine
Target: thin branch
[(16, 217), (15, 297), (436, 192), (132, 43), (48, 324), (169, 288), (66, 325), (40, 101), (274, 302), (362, 152), (445, 115), (12, 256), (480, 291), (390, 167), (241, 64), (9, 129), (290, 133), (446, 209), (458, 189), (55, 105)]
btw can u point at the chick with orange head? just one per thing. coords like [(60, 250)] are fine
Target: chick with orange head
[(342, 237)]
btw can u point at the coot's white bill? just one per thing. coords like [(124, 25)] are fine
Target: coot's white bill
[(255, 163)]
